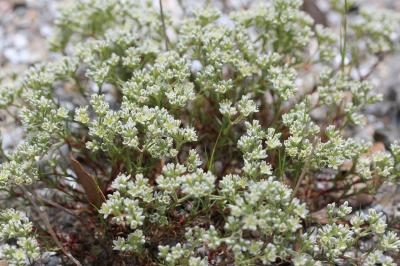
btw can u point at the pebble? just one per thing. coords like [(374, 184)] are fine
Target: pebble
[(51, 259)]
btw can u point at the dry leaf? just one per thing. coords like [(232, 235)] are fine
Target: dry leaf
[(320, 217), (93, 192)]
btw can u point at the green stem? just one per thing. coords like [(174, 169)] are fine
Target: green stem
[(303, 171), (281, 163), (163, 25), (210, 163), (343, 35)]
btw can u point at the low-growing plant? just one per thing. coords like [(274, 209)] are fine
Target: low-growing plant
[(203, 139)]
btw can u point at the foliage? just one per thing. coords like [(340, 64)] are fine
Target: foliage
[(200, 134)]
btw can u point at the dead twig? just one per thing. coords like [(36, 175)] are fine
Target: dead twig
[(43, 216)]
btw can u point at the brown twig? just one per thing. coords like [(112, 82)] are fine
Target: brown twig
[(43, 216)]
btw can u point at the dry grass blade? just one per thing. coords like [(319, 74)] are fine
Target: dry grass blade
[(93, 192)]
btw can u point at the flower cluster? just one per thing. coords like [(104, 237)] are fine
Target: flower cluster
[(18, 245), (336, 241), (199, 138)]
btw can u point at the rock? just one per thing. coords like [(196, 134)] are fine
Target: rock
[(50, 259)]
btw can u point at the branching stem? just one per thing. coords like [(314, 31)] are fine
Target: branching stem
[(43, 216)]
